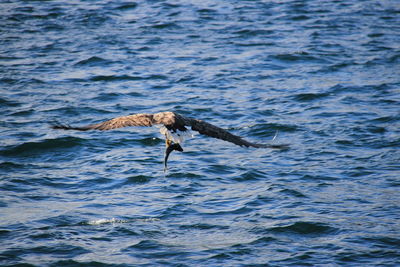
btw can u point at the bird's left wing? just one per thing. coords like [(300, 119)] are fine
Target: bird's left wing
[(211, 130)]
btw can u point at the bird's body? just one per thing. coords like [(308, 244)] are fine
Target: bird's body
[(173, 127)]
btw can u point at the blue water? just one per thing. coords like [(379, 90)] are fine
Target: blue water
[(325, 75)]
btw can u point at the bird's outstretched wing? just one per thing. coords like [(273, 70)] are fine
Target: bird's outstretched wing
[(119, 122), (172, 121), (211, 130)]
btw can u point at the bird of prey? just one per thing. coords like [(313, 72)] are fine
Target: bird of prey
[(173, 126)]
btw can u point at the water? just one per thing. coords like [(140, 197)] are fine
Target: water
[(324, 74)]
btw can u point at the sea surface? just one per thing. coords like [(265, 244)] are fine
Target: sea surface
[(323, 76)]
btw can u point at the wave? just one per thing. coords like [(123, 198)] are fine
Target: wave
[(111, 78), (93, 61), (295, 57), (307, 97), (304, 228), (29, 148), (9, 103)]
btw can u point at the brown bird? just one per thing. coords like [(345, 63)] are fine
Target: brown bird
[(173, 127)]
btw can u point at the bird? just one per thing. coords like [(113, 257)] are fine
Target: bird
[(174, 127)]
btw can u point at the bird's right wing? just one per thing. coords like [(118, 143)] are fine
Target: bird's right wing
[(119, 122)]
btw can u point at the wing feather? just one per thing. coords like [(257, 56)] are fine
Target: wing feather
[(119, 122), (211, 130)]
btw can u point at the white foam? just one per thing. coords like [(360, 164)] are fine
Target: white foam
[(104, 221), (115, 220)]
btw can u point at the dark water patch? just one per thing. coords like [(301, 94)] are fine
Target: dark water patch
[(18, 185), (253, 32), (9, 259), (144, 245), (320, 177), (180, 175), (93, 61), (265, 112), (8, 59), (304, 228), (134, 94), (150, 141), (144, 49), (161, 86), (306, 97), (185, 79), (126, 6), (73, 263), (150, 249), (382, 257), (299, 18), (108, 97), (53, 27), (292, 192), (331, 114), (345, 143), (382, 241), (219, 169), (338, 66), (162, 26), (235, 211), (8, 80), (297, 57), (8, 102), (253, 44), (113, 78), (375, 129), (386, 119), (12, 166), (21, 81), (31, 148), (137, 179), (251, 175), (60, 250), (4, 233), (203, 226), (386, 144), (185, 58)]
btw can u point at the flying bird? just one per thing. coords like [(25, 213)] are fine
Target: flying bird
[(174, 127)]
